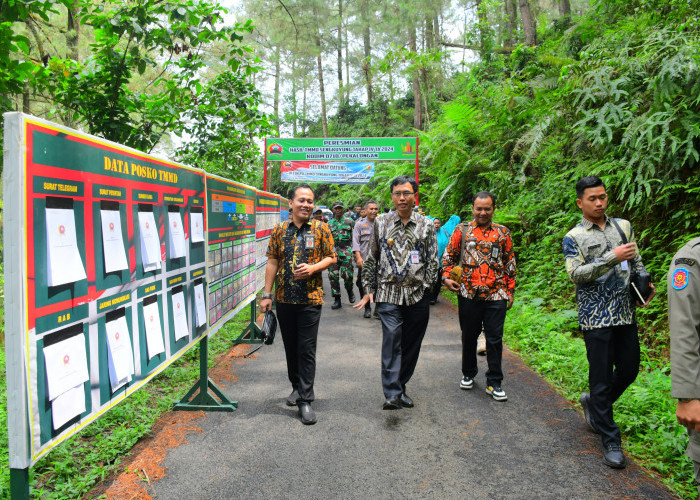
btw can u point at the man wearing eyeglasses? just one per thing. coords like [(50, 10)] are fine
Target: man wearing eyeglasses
[(397, 274)]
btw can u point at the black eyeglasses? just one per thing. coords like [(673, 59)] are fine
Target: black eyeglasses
[(404, 194)]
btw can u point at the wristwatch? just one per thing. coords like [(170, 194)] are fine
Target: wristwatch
[(266, 295)]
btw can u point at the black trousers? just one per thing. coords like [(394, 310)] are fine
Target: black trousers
[(358, 282), (491, 314), (403, 329), (613, 364), (299, 328)]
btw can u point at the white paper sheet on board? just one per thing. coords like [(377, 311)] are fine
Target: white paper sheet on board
[(66, 365), (64, 264), (68, 405), (177, 235), (154, 333), (199, 305), (196, 227), (150, 241), (121, 356), (179, 316), (113, 241)]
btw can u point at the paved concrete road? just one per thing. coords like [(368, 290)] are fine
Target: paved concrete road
[(453, 444)]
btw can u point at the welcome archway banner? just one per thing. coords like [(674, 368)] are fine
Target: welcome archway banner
[(335, 172)]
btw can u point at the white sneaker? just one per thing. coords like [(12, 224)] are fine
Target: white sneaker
[(466, 383), (496, 392)]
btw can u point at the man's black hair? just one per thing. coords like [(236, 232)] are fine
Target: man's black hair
[(318, 210), (386, 210), (369, 203), (403, 179), (485, 194), (300, 186), (590, 181)]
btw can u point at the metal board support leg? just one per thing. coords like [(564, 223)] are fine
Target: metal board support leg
[(252, 333), (19, 484), (200, 396)]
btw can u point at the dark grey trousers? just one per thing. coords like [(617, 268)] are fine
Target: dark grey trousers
[(403, 329), (299, 328)]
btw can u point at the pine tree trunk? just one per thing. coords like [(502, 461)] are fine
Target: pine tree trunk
[(564, 8), (347, 65), (417, 101), (483, 31), (276, 102), (341, 99), (367, 64), (528, 23), (294, 98), (511, 24), (303, 109), (73, 32), (324, 118)]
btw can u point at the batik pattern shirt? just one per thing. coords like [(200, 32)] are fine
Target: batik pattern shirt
[(291, 246), (361, 236), (402, 260), (488, 261), (602, 282)]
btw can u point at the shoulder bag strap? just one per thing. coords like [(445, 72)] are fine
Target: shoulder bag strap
[(619, 230)]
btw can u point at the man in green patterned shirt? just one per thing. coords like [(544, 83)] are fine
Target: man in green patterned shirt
[(398, 272)]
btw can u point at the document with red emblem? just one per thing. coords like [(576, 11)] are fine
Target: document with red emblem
[(66, 365), (179, 316), (196, 227), (121, 357), (64, 263), (154, 333), (199, 305), (177, 235), (113, 241)]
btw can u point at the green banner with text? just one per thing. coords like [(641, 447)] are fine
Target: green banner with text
[(343, 149)]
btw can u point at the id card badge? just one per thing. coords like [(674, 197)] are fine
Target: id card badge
[(624, 265), (495, 251), (414, 257), (309, 241)]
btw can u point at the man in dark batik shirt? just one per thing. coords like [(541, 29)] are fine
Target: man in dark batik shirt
[(299, 250), (398, 272)]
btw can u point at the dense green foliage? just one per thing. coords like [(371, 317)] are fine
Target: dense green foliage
[(137, 73)]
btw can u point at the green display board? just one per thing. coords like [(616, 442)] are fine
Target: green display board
[(267, 214), (345, 149), (103, 267), (231, 248)]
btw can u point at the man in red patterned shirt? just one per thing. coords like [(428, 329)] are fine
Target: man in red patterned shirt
[(483, 252)]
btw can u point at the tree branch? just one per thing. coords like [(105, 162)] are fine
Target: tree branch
[(475, 48)]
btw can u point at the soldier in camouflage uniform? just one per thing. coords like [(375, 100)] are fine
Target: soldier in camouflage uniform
[(341, 228)]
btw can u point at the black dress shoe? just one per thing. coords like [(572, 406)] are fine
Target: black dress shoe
[(292, 398), (368, 312), (337, 304), (308, 417), (613, 457), (406, 402), (392, 403), (586, 405), (351, 297)]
